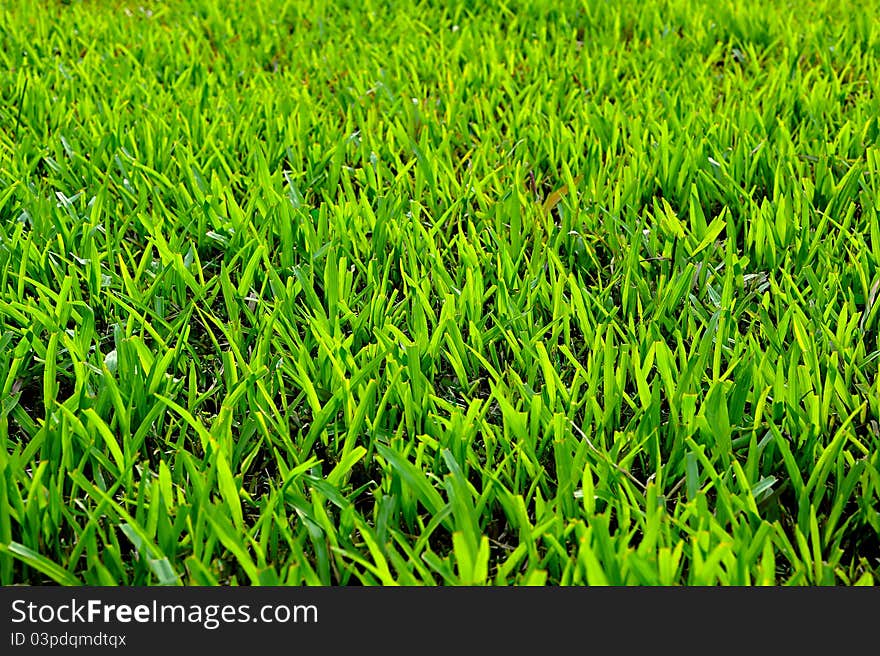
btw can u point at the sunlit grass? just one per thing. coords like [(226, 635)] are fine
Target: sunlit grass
[(460, 293)]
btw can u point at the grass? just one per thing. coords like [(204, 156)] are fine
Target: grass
[(495, 292)]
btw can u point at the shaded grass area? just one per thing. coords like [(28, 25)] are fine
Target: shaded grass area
[(453, 293)]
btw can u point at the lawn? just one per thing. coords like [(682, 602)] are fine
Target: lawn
[(438, 293)]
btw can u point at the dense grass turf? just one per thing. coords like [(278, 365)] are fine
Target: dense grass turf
[(500, 291)]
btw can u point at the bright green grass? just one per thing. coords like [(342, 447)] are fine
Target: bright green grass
[(356, 292)]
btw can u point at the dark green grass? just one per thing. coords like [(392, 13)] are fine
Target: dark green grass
[(466, 292)]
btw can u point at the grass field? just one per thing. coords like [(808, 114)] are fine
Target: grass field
[(497, 292)]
